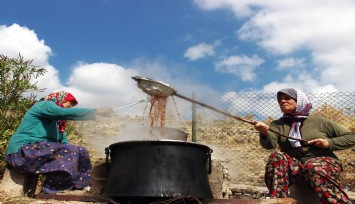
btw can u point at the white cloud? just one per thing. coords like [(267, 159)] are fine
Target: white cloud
[(15, 40), (320, 29), (303, 82), (50, 80), (290, 63), (285, 28), (110, 83), (199, 51), (240, 104), (242, 66), (240, 8), (337, 67)]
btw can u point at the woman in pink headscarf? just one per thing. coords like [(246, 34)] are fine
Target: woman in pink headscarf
[(40, 145), (314, 160)]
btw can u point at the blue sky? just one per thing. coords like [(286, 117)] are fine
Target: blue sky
[(92, 48)]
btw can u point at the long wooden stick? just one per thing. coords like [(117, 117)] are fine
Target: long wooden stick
[(233, 116)]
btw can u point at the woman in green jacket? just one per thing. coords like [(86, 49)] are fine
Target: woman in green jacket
[(314, 160), (40, 145)]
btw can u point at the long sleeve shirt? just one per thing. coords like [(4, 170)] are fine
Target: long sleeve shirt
[(312, 128), (40, 123)]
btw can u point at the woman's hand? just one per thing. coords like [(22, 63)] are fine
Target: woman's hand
[(262, 128), (104, 111), (320, 143)]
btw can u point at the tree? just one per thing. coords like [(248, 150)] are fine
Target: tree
[(16, 85)]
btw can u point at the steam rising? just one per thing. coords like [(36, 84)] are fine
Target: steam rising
[(106, 131)]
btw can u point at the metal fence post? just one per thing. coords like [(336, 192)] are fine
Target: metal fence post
[(193, 128)]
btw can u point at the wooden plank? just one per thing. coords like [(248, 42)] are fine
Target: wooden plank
[(250, 201), (63, 197)]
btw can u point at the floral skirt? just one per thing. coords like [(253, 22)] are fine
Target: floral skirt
[(321, 173), (65, 166)]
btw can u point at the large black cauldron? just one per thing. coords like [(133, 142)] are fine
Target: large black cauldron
[(158, 169)]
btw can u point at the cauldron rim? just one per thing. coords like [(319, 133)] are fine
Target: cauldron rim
[(156, 142)]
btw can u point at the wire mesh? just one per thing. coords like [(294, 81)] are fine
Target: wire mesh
[(236, 144)]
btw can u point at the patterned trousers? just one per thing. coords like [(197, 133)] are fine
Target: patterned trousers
[(321, 173), (65, 166)]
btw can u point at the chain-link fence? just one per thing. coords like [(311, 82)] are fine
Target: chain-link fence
[(235, 143)]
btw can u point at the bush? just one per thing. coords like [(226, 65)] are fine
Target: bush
[(16, 76)]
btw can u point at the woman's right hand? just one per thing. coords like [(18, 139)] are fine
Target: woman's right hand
[(262, 128)]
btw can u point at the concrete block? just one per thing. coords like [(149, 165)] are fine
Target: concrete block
[(100, 176), (218, 180), (18, 183), (12, 183)]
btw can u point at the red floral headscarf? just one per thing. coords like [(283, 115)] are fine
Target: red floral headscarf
[(59, 98)]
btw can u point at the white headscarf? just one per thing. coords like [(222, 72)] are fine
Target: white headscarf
[(303, 107)]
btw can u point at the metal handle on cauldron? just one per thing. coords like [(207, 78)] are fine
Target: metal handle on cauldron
[(209, 158), (107, 152)]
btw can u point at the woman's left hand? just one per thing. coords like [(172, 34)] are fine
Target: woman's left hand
[(320, 143)]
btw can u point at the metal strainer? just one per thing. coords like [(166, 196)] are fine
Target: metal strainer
[(152, 87)]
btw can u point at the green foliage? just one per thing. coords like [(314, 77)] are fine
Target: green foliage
[(16, 81), (74, 136)]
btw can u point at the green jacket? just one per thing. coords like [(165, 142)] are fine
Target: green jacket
[(313, 127), (40, 124)]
